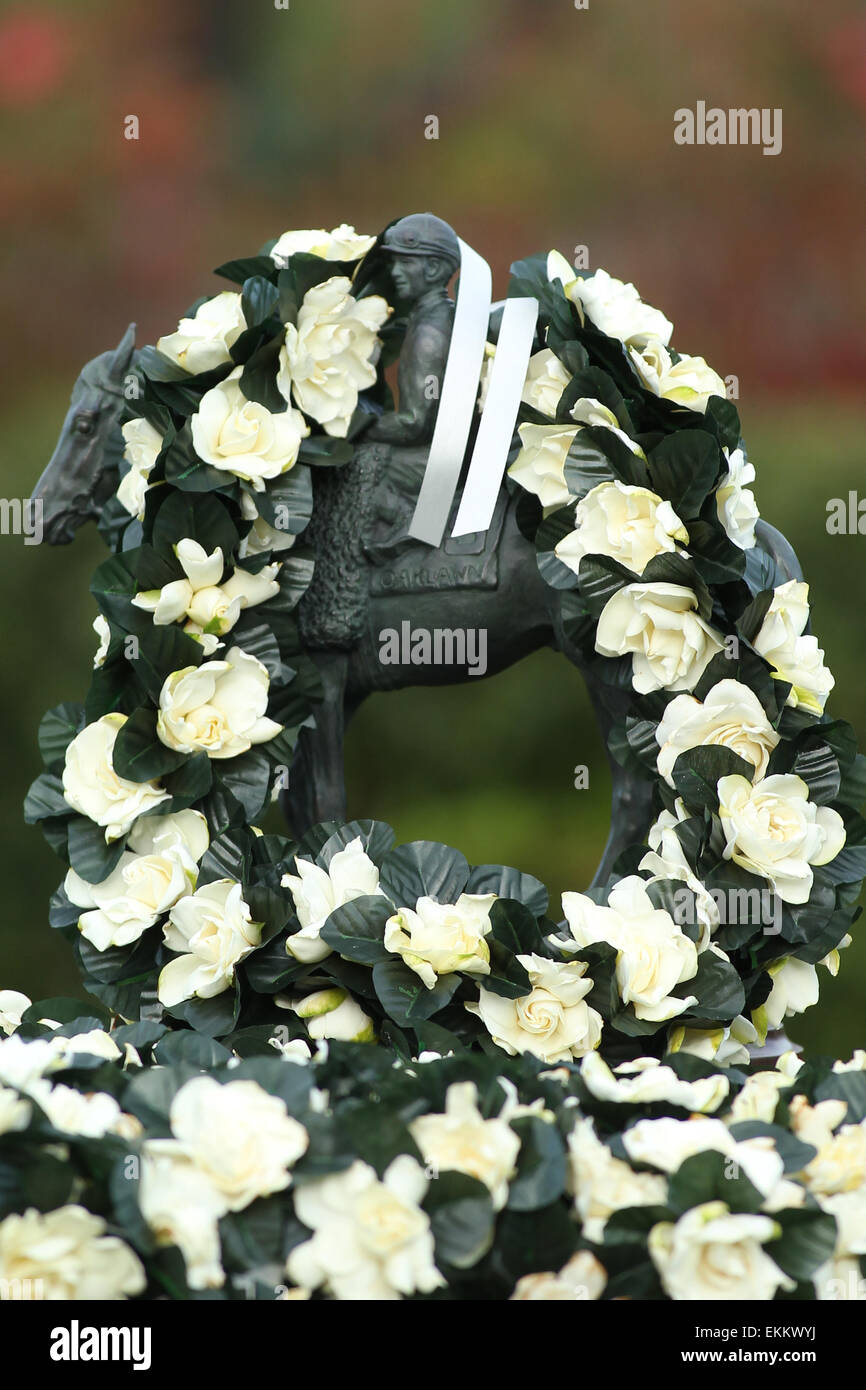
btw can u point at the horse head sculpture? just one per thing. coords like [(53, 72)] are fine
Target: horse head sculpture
[(82, 472)]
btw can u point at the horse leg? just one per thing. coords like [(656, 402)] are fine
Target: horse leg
[(316, 790)]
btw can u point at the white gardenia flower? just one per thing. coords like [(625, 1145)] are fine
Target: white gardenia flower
[(440, 938), (583, 1277), (241, 1138), (143, 444), (182, 1207), (728, 1047), (589, 411), (666, 859), (654, 955), (103, 631), (540, 466), (614, 307), (553, 1021), (213, 930), (146, 883), (462, 1141), (243, 437), (759, 1097), (731, 715), (646, 1081), (671, 644), (602, 1184), (341, 244), (203, 341), (795, 989), (92, 787), (546, 379), (96, 1043), (72, 1112), (735, 502), (797, 659), (15, 1113), (68, 1256), (330, 354), (689, 382), (667, 1143), (13, 1004), (317, 892), (371, 1240), (333, 1013), (774, 830), (209, 605), (22, 1062), (217, 708), (712, 1254), (631, 524)]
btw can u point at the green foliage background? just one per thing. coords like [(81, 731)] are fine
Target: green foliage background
[(555, 129)]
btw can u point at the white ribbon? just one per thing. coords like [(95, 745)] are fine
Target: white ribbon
[(495, 433), (457, 399)]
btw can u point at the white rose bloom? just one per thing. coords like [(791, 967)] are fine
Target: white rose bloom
[(241, 1138), (731, 715), (795, 989), (145, 883), (89, 1116), (317, 892), (553, 1021), (341, 244), (68, 1256), (630, 524), (797, 659), (182, 1207), (614, 307), (671, 644), (667, 1143), (203, 342), (603, 1184), (546, 379), (540, 466), (92, 787), (711, 1254), (213, 931), (440, 938), (774, 830), (217, 708), (462, 1141), (759, 1097), (689, 382), (143, 444), (735, 502), (646, 1081), (15, 1113), (243, 437), (371, 1240), (653, 954), (330, 355), (332, 1013), (582, 1278), (13, 1004), (103, 632)]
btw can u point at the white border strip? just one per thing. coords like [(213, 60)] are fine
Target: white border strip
[(496, 431), (457, 399)]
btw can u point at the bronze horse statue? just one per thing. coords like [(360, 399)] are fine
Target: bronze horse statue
[(369, 578)]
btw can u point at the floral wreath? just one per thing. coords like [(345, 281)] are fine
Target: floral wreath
[(555, 1110), (633, 483)]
